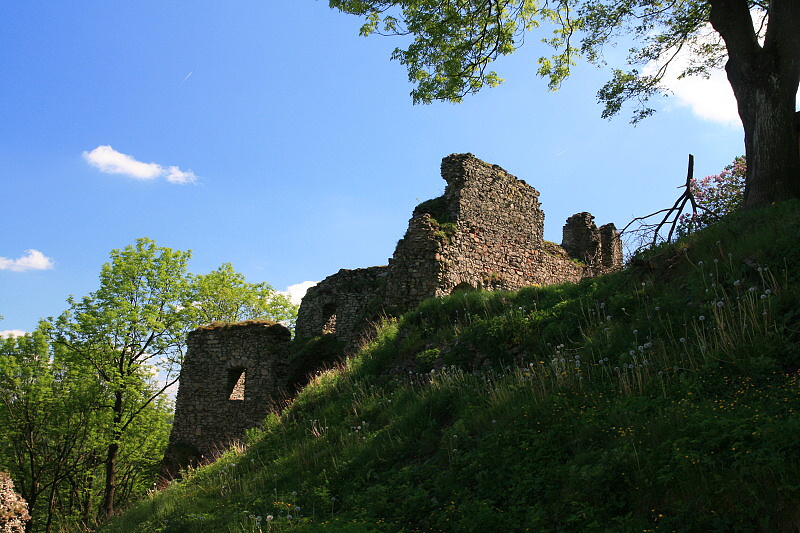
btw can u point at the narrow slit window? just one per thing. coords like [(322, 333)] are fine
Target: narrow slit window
[(329, 318), (236, 379)]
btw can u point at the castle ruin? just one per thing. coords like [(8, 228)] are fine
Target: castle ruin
[(485, 232), (232, 377)]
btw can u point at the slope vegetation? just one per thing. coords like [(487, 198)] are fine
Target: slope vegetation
[(664, 397)]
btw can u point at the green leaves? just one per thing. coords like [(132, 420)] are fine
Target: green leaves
[(224, 296), (455, 41)]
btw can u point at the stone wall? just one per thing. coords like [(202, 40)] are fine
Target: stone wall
[(232, 377), (485, 232), (13, 508), (341, 303)]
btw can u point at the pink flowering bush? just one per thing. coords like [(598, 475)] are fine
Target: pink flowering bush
[(715, 196)]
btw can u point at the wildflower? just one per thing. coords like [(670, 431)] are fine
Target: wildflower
[(737, 283), (608, 317), (683, 339), (701, 318), (752, 289), (720, 304), (700, 263), (763, 296), (767, 291), (632, 352), (269, 518), (648, 345), (658, 308), (635, 331)]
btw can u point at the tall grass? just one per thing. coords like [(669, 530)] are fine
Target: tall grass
[(660, 398)]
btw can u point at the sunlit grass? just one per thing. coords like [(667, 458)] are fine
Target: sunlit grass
[(661, 398)]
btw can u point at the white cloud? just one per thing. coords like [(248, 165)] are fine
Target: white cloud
[(176, 175), (32, 260), (12, 333), (709, 98), (298, 290), (106, 159)]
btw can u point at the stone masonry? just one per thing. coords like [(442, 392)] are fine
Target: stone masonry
[(13, 508), (485, 232), (232, 377)]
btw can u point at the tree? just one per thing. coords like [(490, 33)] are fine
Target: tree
[(715, 196), (133, 325), (224, 295), (131, 334), (47, 420), (455, 41)]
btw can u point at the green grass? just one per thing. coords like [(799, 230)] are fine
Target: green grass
[(661, 398)]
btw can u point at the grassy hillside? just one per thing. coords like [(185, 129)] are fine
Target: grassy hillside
[(661, 398)]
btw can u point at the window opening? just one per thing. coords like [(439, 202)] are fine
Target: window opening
[(329, 318), (236, 378)]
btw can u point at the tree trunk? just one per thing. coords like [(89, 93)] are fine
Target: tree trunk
[(764, 80), (111, 481), (770, 140), (111, 458)]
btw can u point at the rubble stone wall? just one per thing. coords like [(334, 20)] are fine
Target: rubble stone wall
[(13, 508), (485, 232), (232, 376)]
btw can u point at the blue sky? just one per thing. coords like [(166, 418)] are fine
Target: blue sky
[(270, 135)]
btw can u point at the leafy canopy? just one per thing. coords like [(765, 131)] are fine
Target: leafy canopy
[(455, 41), (223, 295)]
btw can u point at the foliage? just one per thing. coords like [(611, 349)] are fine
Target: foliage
[(657, 398), (84, 417), (452, 43), (224, 296), (716, 196), (54, 434), (134, 325), (455, 42)]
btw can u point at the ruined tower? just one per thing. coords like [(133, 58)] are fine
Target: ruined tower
[(231, 378)]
